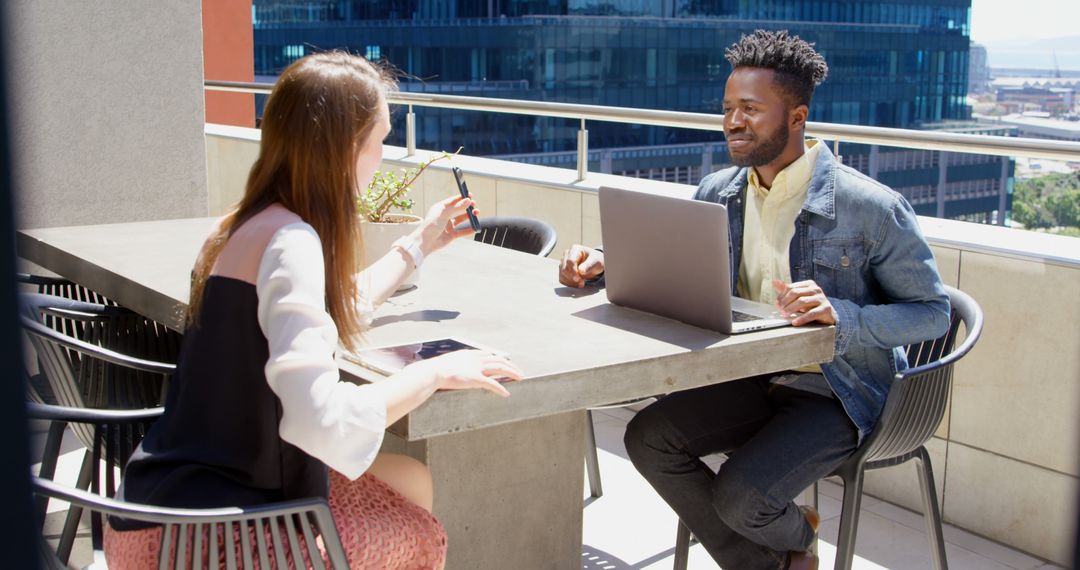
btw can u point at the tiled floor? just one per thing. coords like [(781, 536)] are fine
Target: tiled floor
[(631, 528)]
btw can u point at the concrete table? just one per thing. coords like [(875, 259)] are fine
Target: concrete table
[(508, 472)]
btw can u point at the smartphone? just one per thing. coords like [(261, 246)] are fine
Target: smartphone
[(460, 178)]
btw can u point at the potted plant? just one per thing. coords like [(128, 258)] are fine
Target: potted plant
[(384, 208)]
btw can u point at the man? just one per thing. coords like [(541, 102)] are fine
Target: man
[(828, 246)]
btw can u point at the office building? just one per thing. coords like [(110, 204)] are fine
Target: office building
[(1054, 95), (1041, 126), (892, 63), (978, 70)]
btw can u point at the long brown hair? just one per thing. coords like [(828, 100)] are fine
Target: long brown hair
[(317, 117)]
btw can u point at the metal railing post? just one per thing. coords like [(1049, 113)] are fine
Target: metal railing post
[(582, 151), (410, 133)]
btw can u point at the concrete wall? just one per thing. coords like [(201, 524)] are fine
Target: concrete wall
[(230, 153), (1007, 454), (499, 187), (107, 111)]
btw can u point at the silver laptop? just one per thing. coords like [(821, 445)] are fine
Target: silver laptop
[(669, 256)]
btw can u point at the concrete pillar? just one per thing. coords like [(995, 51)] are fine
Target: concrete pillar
[(107, 110), (501, 493)]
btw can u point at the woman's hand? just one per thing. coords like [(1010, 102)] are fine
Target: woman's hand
[(468, 369), (438, 227), (380, 279), (459, 370)]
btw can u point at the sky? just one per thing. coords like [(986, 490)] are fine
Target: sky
[(999, 20)]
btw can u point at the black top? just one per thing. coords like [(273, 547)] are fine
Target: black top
[(217, 444)]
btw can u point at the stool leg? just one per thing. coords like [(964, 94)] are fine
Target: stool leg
[(48, 463), (849, 518), (592, 462), (74, 514), (682, 547), (814, 504), (931, 511)]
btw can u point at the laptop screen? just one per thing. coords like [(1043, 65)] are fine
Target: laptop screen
[(668, 256)]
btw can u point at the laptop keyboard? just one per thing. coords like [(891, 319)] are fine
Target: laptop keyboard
[(740, 317)]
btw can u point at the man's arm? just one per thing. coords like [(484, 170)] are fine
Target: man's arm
[(904, 268)]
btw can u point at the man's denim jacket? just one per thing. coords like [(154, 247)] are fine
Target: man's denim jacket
[(861, 243)]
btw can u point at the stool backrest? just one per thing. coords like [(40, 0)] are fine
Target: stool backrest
[(247, 537), (77, 375), (529, 235), (917, 399), (85, 375)]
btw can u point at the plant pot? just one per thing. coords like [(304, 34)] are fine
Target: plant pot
[(380, 236)]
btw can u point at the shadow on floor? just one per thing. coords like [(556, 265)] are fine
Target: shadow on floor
[(596, 559)]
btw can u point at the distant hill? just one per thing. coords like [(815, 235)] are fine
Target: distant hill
[(1035, 53)]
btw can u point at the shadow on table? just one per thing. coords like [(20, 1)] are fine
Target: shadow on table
[(651, 326), (428, 315), (596, 559), (575, 293)]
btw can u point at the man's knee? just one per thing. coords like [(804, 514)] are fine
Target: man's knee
[(634, 438), (646, 435), (741, 504)]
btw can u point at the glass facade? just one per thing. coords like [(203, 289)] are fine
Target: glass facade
[(953, 15), (894, 64)]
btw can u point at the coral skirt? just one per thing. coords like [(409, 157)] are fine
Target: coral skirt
[(379, 529)]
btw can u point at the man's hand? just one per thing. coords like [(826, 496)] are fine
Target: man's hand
[(579, 264), (805, 301)]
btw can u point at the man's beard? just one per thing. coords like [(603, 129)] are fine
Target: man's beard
[(766, 151)]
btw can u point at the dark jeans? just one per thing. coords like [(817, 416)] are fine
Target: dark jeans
[(783, 441)]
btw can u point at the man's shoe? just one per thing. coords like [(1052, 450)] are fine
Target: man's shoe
[(812, 517), (803, 561), (806, 560)]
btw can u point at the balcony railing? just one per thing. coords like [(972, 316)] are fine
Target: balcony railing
[(905, 138)]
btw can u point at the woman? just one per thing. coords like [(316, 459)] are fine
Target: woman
[(256, 412)]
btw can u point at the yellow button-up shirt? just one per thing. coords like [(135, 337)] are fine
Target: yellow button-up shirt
[(769, 226)]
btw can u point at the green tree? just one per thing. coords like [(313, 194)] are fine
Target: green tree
[(1024, 213), (1065, 207), (1027, 203), (1051, 201)]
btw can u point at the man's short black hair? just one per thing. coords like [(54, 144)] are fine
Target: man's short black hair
[(799, 69)]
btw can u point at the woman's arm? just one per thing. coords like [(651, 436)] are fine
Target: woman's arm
[(380, 279), (460, 370), (339, 423)]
